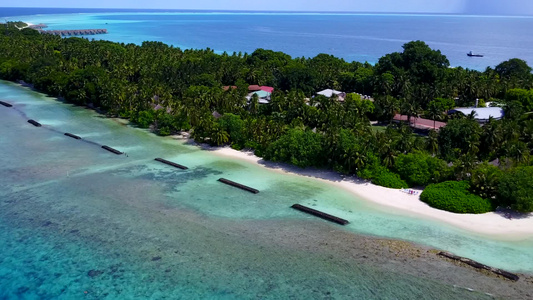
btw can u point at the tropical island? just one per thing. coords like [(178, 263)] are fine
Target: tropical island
[(466, 167)]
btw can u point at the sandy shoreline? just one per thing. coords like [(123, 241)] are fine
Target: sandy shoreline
[(492, 224)]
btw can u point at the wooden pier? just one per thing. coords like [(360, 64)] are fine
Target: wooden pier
[(238, 185), (320, 214), (171, 163), (72, 136), (74, 32), (111, 150), (5, 104), (34, 123), (478, 265)]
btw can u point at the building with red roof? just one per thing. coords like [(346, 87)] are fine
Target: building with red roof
[(267, 89), (254, 87), (420, 123), (227, 87)]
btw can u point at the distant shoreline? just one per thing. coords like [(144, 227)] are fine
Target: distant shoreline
[(274, 12)]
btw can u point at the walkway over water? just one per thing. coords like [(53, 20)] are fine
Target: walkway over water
[(38, 26), (74, 32)]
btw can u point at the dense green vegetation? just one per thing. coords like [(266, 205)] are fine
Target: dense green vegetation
[(454, 196), (516, 189), (170, 90)]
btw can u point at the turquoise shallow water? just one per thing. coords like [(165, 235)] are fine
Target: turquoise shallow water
[(146, 230)]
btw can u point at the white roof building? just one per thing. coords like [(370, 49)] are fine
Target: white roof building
[(482, 114), (330, 93)]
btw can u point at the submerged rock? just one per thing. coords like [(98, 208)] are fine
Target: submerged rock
[(94, 273), (22, 290)]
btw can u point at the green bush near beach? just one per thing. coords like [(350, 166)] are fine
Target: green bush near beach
[(421, 169), (383, 177), (302, 148), (516, 189), (454, 196)]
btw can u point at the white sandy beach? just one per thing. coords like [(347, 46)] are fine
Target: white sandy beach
[(492, 224)]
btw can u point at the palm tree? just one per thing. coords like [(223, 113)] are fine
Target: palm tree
[(472, 115), (219, 136), (527, 133), (410, 108), (434, 112), (350, 159), (406, 139), (388, 153), (254, 104), (464, 166), (491, 138), (433, 142), (388, 106), (518, 152)]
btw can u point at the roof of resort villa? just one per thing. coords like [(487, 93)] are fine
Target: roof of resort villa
[(329, 93), (268, 89), (262, 94), (254, 87), (481, 113), (227, 87)]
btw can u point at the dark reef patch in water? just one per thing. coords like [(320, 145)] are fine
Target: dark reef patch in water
[(94, 273), (172, 178)]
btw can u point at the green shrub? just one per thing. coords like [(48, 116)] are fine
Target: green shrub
[(484, 180), (164, 131), (145, 118), (420, 169), (234, 126), (302, 148), (383, 177), (454, 196), (365, 174), (515, 189)]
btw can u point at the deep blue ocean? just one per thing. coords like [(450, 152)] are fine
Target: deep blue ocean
[(77, 222), (354, 37)]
